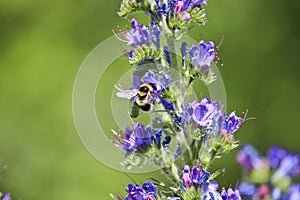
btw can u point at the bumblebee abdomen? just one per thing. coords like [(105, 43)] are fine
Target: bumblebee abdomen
[(144, 107)]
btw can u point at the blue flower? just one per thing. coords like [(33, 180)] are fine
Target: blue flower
[(209, 118), (293, 193), (289, 166), (279, 167), (199, 175), (184, 5), (196, 177), (202, 113), (230, 194), (147, 192), (201, 56), (139, 138), (155, 34), (247, 189), (140, 34), (210, 191), (276, 155), (163, 8), (177, 6), (168, 105), (232, 123), (248, 157), (6, 197), (157, 138), (150, 188), (166, 141), (165, 80)]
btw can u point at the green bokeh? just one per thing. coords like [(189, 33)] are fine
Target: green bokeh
[(42, 44)]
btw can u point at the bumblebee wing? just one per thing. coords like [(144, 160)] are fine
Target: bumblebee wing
[(127, 94), (150, 98)]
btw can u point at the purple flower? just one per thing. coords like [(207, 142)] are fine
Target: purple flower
[(293, 193), (163, 8), (139, 138), (195, 177), (166, 141), (276, 155), (186, 180), (278, 169), (247, 189), (165, 80), (199, 176), (186, 169), (140, 34), (203, 112), (150, 188), (147, 192), (157, 138), (155, 34), (6, 197), (201, 56), (232, 123), (184, 5), (209, 118), (177, 6), (210, 191), (248, 157), (136, 82), (168, 105), (230, 194), (289, 166)]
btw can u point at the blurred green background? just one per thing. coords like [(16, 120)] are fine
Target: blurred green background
[(42, 44)]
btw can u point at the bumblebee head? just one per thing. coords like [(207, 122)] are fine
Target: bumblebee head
[(145, 88)]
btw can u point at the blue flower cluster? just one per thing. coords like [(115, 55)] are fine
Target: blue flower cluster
[(231, 194), (200, 56), (147, 192), (199, 178), (194, 177), (179, 7), (141, 35), (270, 176), (140, 138), (208, 116)]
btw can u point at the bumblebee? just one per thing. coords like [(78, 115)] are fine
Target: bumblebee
[(143, 98)]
